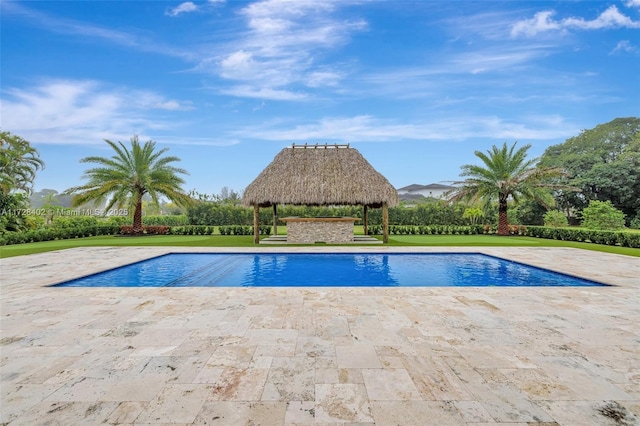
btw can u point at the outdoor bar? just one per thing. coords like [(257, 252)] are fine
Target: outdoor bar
[(311, 230)]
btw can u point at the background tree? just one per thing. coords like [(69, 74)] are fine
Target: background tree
[(602, 215), (173, 209), (229, 196), (11, 218), (125, 178), (507, 174), (19, 162), (473, 214), (555, 219), (49, 197), (529, 212), (604, 162)]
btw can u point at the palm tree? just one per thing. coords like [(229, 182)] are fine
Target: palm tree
[(130, 174), (19, 162), (507, 175)]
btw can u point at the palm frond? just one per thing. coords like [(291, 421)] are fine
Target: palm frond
[(129, 174), (506, 173)]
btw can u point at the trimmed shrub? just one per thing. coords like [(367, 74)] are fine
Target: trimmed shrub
[(629, 239), (555, 219), (428, 230), (517, 230), (612, 238), (73, 221), (223, 230), (50, 234), (119, 220), (146, 230), (166, 220), (602, 215), (374, 230)]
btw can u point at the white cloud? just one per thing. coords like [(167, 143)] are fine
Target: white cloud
[(625, 46), (543, 22), (81, 111), (280, 47), (72, 27), (632, 3), (238, 65), (365, 128), (244, 91), (450, 73), (185, 7), (324, 78), (540, 22), (149, 100), (67, 26), (174, 140), (610, 18)]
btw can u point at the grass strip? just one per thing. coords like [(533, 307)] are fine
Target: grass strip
[(247, 241)]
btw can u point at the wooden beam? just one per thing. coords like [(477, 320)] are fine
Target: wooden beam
[(385, 223), (365, 220), (256, 225), (275, 219)]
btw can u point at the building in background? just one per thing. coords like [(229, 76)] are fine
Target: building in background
[(415, 192)]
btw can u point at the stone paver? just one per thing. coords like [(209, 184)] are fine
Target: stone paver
[(302, 356)]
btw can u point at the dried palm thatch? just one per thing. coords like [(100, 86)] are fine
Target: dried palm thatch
[(320, 175)]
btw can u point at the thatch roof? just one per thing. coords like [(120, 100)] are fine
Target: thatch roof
[(320, 175)]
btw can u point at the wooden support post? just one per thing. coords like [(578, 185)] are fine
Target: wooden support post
[(365, 220), (385, 223), (275, 219), (256, 224)]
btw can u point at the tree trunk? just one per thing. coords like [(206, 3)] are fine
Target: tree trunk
[(137, 216), (275, 219), (503, 222), (365, 220), (385, 223), (256, 224)]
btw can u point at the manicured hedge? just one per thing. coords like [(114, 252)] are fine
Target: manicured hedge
[(433, 229), (53, 233), (192, 230), (624, 239), (611, 238), (222, 230), (243, 230), (50, 234), (146, 230), (166, 220)]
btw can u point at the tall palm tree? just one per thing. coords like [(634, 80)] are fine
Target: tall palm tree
[(130, 174), (507, 175), (19, 162)]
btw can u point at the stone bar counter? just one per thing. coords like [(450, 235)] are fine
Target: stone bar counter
[(310, 230)]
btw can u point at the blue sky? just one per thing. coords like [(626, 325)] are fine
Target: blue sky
[(415, 86)]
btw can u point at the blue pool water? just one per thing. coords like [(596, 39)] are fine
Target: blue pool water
[(326, 270)]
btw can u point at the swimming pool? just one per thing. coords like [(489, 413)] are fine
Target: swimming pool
[(326, 270)]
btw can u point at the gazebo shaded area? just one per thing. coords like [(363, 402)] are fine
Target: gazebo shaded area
[(320, 175)]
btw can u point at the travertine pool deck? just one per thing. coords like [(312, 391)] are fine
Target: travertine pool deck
[(285, 356)]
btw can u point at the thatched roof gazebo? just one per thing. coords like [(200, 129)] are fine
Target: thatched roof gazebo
[(320, 175)]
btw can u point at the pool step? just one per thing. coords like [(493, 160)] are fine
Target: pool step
[(358, 239), (208, 274)]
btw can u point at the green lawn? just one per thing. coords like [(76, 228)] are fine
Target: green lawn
[(247, 241), (498, 241)]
